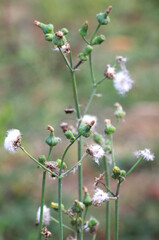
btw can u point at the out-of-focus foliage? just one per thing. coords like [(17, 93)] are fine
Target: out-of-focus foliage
[(35, 87)]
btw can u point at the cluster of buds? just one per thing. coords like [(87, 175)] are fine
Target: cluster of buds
[(118, 174), (83, 56)]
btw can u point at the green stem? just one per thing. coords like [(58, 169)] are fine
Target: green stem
[(117, 122), (112, 148), (66, 60), (42, 204), (117, 213), (65, 226), (95, 33), (85, 214), (64, 154), (134, 166), (80, 184), (91, 69), (60, 209), (50, 150), (90, 100), (75, 94), (74, 166), (94, 236), (107, 203), (86, 40), (100, 81), (40, 165)]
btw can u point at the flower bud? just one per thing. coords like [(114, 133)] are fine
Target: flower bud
[(103, 18), (69, 135), (84, 29), (47, 28), (109, 128), (64, 30), (42, 159), (119, 113), (92, 222), (87, 199), (64, 166), (48, 37), (116, 172), (51, 140), (59, 39), (108, 147), (123, 173), (88, 49), (82, 57), (55, 206), (97, 138), (98, 40), (85, 129), (78, 206)]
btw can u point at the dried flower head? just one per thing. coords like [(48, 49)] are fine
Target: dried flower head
[(46, 215), (109, 72), (99, 179), (96, 151), (122, 82), (12, 140), (65, 48), (146, 154), (90, 120), (99, 197), (50, 128), (46, 233)]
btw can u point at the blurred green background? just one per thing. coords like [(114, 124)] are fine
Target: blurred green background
[(35, 88)]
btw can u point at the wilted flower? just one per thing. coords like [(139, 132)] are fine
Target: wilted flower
[(109, 72), (46, 215), (13, 140), (146, 154), (96, 151), (65, 48), (88, 119), (46, 233), (99, 197), (122, 82)]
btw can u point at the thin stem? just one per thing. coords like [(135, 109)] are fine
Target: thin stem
[(74, 166), (94, 236), (64, 154), (60, 209), (112, 149), (75, 94), (42, 204), (80, 184), (66, 60), (90, 99), (100, 81), (91, 69), (107, 235), (65, 226), (134, 166), (41, 165), (95, 33), (78, 64), (50, 150), (85, 214), (85, 40), (117, 122), (117, 213)]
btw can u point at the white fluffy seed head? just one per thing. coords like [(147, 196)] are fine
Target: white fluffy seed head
[(146, 154), (46, 215), (99, 197), (88, 119), (96, 151), (122, 82), (12, 140)]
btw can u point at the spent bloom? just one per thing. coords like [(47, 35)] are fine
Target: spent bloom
[(109, 72), (122, 82), (88, 119), (12, 140), (46, 215), (146, 154), (99, 197), (96, 151)]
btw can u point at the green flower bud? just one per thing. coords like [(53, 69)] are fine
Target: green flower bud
[(116, 172), (97, 138), (108, 147), (103, 18), (88, 49), (109, 128), (59, 164), (48, 37), (47, 28), (83, 57), (98, 40), (55, 206), (59, 39), (73, 222), (85, 130), (87, 199), (123, 173), (119, 113), (78, 206), (51, 140), (84, 29), (92, 222), (64, 30), (69, 135), (42, 159)]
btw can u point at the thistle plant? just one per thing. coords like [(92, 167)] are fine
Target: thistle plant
[(101, 149)]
